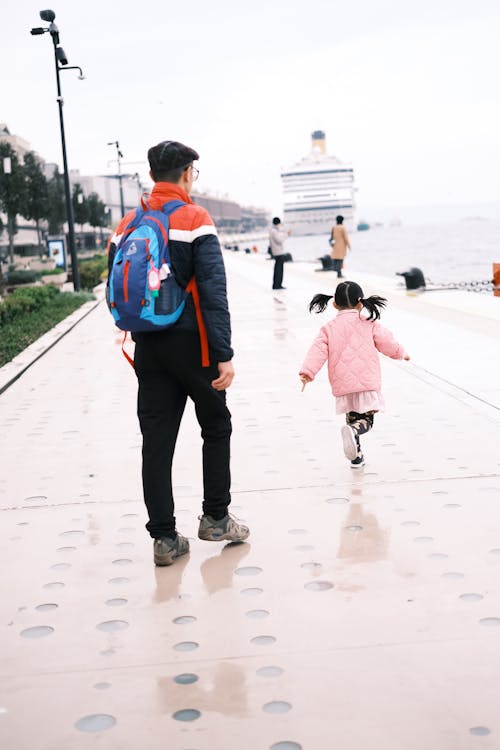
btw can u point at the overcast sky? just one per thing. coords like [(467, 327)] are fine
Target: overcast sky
[(407, 91)]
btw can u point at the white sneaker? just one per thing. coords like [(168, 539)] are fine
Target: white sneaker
[(349, 442)]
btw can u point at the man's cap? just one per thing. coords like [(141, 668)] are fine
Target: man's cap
[(169, 155)]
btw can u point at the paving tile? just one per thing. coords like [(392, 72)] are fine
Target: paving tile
[(364, 611)]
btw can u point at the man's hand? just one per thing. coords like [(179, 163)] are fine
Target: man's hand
[(226, 375)]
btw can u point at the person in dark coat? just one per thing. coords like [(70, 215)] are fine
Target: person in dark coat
[(190, 359)]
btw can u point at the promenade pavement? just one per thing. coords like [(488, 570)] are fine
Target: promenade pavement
[(363, 613)]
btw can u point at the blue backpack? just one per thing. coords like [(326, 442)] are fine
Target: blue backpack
[(142, 293)]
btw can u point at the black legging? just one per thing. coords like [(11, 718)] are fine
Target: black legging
[(360, 423)]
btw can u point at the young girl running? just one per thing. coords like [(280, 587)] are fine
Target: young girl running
[(350, 342)]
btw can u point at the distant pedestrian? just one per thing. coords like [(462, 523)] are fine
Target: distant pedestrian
[(168, 363), (277, 238), (340, 245), (350, 343)]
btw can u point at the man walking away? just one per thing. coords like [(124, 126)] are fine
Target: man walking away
[(277, 237), (168, 364)]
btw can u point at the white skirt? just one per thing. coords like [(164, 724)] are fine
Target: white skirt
[(360, 402)]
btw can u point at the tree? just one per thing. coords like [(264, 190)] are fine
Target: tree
[(80, 207), (36, 205), (2, 282), (12, 191), (56, 213), (97, 214)]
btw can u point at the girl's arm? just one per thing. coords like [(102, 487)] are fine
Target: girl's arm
[(386, 343), (315, 357)]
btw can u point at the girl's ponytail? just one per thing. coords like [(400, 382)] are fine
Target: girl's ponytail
[(374, 305), (319, 302)]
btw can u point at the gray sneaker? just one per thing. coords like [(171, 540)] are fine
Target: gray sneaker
[(349, 442), (166, 550), (225, 530)]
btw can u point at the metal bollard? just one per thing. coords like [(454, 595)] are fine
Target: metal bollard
[(414, 278)]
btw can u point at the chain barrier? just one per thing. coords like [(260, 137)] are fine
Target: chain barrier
[(486, 285)]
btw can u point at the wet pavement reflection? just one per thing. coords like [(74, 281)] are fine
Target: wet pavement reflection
[(358, 606)]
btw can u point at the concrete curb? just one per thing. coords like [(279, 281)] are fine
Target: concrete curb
[(14, 369)]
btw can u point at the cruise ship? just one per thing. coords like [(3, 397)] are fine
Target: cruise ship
[(316, 190)]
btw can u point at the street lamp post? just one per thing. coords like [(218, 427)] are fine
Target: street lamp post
[(61, 63), (119, 157)]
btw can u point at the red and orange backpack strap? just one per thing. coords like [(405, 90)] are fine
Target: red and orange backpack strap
[(192, 287), (126, 354)]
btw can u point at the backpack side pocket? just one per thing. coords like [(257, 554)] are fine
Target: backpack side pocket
[(170, 297)]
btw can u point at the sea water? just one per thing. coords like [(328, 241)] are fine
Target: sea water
[(453, 252)]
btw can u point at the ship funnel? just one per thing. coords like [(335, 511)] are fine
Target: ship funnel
[(318, 141)]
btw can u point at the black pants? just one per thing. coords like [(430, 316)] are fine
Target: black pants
[(278, 271), (168, 368)]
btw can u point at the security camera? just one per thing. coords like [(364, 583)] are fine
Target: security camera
[(47, 15), (61, 56)]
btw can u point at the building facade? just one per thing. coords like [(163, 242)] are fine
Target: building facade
[(113, 190)]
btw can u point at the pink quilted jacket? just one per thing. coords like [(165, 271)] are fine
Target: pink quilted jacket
[(351, 344)]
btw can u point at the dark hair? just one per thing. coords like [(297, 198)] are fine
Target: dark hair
[(171, 175), (276, 220), (347, 296), (339, 219)]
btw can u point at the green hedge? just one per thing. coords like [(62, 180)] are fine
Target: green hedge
[(27, 314), (91, 271), (23, 276), (53, 271)]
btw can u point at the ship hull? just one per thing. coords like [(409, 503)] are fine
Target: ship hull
[(316, 190), (313, 222)]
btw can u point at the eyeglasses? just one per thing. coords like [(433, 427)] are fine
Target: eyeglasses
[(195, 173)]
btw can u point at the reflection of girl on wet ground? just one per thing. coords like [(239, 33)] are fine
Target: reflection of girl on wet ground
[(350, 343)]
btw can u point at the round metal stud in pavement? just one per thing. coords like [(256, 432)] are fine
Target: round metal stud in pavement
[(453, 575), (480, 731), (95, 723), (248, 571), (270, 671), (187, 714), (257, 614), (39, 631), (111, 626), (186, 646), (263, 640), (277, 707), (471, 597), (186, 678), (490, 622)]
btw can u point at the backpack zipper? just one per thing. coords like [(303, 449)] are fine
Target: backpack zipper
[(125, 280)]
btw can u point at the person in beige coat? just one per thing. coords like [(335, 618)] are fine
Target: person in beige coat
[(340, 245)]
